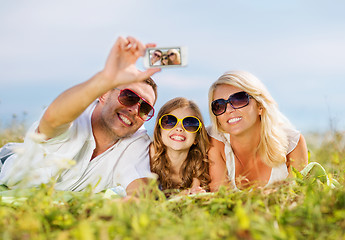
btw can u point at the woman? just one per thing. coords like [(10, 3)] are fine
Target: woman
[(252, 143), (174, 57), (178, 151)]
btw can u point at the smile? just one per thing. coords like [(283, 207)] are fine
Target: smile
[(234, 120), (178, 138), (125, 119)]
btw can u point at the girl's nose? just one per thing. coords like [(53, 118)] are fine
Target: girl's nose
[(179, 127)]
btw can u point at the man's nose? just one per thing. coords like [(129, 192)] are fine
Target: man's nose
[(134, 108)]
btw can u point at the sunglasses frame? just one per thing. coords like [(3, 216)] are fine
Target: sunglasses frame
[(139, 103), (229, 101), (180, 120)]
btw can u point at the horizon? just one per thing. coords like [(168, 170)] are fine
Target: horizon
[(297, 49)]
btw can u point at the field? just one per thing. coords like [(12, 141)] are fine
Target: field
[(300, 208)]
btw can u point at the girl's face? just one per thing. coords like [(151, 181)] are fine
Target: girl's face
[(178, 139), (164, 60), (237, 121)]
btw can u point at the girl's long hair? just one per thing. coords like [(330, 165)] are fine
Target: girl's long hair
[(273, 144), (196, 164)]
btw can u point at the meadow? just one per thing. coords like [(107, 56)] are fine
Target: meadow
[(299, 208)]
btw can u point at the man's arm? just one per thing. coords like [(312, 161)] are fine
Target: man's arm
[(119, 69), (137, 187)]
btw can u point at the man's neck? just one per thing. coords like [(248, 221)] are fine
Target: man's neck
[(103, 139)]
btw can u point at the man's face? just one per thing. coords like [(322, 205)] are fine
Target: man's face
[(156, 56), (123, 121)]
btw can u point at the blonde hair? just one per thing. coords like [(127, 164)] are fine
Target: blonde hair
[(196, 164), (273, 146), (177, 54)]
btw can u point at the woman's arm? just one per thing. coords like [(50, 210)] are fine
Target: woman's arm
[(298, 158), (218, 170)]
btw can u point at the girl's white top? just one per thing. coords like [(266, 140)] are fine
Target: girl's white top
[(277, 174)]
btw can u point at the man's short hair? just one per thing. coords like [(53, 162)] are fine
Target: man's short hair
[(157, 50), (152, 83)]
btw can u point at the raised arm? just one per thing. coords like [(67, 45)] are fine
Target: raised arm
[(218, 170), (119, 69)]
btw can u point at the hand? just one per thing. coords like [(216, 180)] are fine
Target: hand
[(120, 66), (195, 190)]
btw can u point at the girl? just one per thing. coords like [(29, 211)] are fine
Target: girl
[(178, 151), (252, 143)]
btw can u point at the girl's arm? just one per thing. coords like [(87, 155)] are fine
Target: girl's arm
[(218, 170), (196, 187)]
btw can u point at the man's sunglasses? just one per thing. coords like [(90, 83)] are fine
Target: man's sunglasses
[(236, 100), (157, 55), (190, 124), (129, 98)]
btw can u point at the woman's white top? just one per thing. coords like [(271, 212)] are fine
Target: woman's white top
[(277, 174)]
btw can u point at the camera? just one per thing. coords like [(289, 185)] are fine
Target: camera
[(162, 57)]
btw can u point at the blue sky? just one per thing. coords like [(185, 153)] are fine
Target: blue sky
[(297, 48)]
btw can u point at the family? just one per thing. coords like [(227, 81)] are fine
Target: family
[(171, 56), (99, 125)]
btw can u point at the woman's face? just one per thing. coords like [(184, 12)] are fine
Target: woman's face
[(172, 56), (237, 121), (178, 139)]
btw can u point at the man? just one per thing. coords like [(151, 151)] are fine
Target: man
[(96, 123), (156, 58)]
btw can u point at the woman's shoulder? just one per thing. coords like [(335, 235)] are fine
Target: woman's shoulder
[(215, 134), (293, 137)]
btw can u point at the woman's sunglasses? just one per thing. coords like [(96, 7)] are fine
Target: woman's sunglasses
[(129, 98), (190, 124), (236, 100), (171, 54)]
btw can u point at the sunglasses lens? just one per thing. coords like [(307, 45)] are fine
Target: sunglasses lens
[(168, 121), (128, 98), (191, 124), (239, 100), (145, 111), (218, 106)]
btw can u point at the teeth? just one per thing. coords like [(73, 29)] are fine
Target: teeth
[(178, 138), (126, 120), (232, 120)]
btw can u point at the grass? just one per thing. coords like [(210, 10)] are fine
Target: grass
[(293, 209)]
